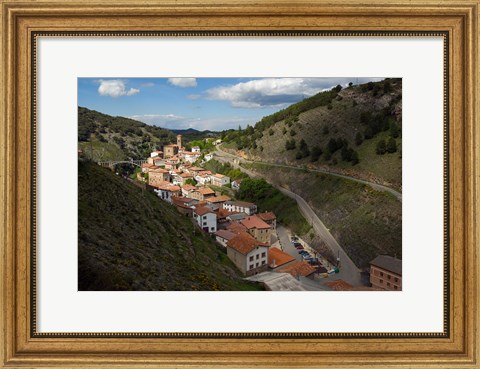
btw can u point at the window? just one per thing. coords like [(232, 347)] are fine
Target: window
[(257, 256), (396, 279), (381, 274), (388, 284), (395, 287), (204, 223), (212, 229), (251, 266), (388, 277), (263, 262), (381, 281), (256, 265), (263, 254), (251, 258)]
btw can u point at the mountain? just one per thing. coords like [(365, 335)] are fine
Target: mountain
[(192, 134), (129, 239), (354, 131), (103, 137)]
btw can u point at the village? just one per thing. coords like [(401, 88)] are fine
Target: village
[(263, 251)]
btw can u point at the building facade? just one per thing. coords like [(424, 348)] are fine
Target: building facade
[(249, 255), (386, 273)]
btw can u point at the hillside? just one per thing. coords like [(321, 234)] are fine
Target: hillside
[(340, 130), (129, 239), (103, 137), (365, 222)]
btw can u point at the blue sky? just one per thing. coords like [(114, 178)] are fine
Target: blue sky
[(201, 103)]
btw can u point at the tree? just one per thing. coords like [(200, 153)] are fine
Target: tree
[(350, 84), (394, 130), (270, 132), (304, 151), (391, 145), (338, 88), (381, 147), (355, 159), (316, 153), (332, 145), (358, 139), (290, 144)]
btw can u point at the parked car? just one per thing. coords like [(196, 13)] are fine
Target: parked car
[(297, 244), (299, 247)]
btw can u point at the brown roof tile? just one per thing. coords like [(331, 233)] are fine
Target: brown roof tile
[(244, 243), (254, 222), (277, 257), (267, 216), (299, 268), (202, 210)]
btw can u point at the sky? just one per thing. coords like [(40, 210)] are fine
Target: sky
[(212, 104)]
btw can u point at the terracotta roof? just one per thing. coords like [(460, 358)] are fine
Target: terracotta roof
[(147, 165), (339, 285), (188, 187), (202, 210), (159, 170), (216, 199), (171, 145), (254, 222), (267, 216), (206, 191), (389, 263), (277, 257), (183, 202), (225, 234), (169, 187), (186, 175), (300, 268), (244, 243), (218, 175), (196, 169), (178, 171), (236, 227)]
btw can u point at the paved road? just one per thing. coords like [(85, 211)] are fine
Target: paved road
[(375, 186), (286, 243), (348, 270)]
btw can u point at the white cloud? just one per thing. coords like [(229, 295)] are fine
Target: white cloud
[(183, 82), (276, 92), (115, 88)]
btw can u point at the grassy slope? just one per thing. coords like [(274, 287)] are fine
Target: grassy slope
[(117, 138), (365, 222), (128, 239), (342, 121)]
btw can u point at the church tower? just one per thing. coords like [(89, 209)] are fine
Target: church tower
[(179, 141)]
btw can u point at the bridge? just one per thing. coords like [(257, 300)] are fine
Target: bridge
[(112, 163)]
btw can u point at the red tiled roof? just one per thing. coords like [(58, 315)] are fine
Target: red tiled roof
[(267, 216), (242, 204), (236, 227), (254, 222), (216, 199), (202, 210), (186, 175), (277, 257), (339, 285), (244, 243), (218, 175), (206, 191), (169, 187), (159, 170), (188, 187), (196, 169), (299, 268)]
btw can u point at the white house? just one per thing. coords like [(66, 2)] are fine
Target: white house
[(156, 153), (240, 207), (196, 149), (191, 157), (206, 219), (248, 254), (220, 180), (236, 184), (208, 157), (168, 191), (223, 236), (203, 179)]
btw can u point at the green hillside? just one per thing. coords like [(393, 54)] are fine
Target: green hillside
[(103, 137), (129, 239), (354, 131), (365, 222)]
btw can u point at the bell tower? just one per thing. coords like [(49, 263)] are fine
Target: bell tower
[(179, 141)]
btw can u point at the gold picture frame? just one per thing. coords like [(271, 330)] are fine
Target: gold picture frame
[(22, 21)]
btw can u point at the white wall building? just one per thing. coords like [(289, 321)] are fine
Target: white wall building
[(206, 219), (220, 180)]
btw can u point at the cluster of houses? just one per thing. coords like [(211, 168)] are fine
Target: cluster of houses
[(237, 225)]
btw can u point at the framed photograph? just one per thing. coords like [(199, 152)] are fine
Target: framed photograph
[(234, 185)]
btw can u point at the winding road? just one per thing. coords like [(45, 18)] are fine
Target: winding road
[(348, 270), (373, 185)]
